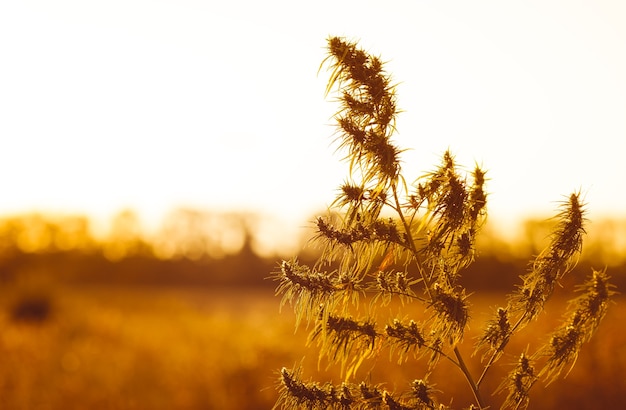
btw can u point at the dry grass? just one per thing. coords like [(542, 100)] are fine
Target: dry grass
[(117, 348), (386, 237)]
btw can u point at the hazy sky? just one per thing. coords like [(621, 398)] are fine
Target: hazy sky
[(157, 104)]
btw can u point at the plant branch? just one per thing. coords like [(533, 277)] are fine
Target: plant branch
[(469, 378), (500, 349), (409, 239), (460, 362)]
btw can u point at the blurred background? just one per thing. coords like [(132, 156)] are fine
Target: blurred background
[(159, 158)]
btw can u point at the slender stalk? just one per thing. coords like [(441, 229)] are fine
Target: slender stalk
[(492, 359), (460, 362), (412, 247), (469, 378), (499, 350)]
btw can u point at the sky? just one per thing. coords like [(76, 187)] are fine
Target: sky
[(154, 105)]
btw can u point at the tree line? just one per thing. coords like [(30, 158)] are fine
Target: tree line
[(210, 248)]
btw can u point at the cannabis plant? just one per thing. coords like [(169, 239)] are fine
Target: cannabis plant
[(385, 239)]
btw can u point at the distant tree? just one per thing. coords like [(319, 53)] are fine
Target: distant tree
[(126, 237), (197, 234)]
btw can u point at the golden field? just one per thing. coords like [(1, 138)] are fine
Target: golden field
[(177, 322), (111, 347)]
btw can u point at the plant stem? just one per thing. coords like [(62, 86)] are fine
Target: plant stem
[(460, 362), (469, 378), (407, 230), (499, 350)]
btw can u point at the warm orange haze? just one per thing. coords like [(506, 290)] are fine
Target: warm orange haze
[(162, 158), (188, 319)]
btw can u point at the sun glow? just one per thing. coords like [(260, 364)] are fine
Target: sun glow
[(153, 106)]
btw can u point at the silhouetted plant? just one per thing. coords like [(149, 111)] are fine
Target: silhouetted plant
[(387, 239)]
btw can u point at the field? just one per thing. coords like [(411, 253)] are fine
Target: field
[(165, 348)]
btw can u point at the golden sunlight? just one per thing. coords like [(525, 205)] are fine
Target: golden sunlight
[(160, 159)]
